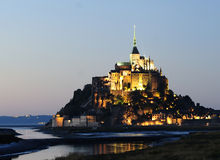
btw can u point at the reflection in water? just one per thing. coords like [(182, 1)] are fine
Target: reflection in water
[(29, 133), (131, 134), (117, 147), (90, 149), (53, 152)]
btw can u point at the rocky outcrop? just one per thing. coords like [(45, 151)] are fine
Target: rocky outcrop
[(80, 102), (8, 136)]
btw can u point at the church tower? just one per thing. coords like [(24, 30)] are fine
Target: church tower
[(135, 55)]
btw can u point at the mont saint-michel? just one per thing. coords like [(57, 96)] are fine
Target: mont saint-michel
[(134, 93), (80, 81)]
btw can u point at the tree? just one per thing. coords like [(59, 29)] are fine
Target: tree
[(119, 100)]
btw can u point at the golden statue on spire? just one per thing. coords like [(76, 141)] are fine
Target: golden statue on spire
[(134, 39)]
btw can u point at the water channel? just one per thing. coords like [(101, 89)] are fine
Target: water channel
[(51, 152)]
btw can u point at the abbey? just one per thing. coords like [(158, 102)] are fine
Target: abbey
[(139, 73), (134, 93)]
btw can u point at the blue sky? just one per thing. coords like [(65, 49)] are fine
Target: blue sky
[(49, 48)]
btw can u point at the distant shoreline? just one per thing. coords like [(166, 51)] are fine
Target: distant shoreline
[(9, 126)]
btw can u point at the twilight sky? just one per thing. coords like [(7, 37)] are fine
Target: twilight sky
[(49, 48)]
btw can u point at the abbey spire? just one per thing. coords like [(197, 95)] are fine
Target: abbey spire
[(135, 50)]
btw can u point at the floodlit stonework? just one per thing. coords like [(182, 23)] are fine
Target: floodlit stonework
[(137, 74)]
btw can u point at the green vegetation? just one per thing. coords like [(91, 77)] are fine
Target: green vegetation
[(197, 146)]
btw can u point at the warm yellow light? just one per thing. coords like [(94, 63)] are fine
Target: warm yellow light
[(197, 117), (151, 123), (169, 120), (59, 121), (208, 117), (158, 123)]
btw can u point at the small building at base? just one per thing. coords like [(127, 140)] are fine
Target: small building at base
[(76, 121)]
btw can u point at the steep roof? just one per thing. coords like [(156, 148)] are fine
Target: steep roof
[(135, 50)]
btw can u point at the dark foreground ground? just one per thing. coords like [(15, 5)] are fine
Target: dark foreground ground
[(196, 146)]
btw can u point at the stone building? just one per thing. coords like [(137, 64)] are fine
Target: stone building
[(137, 74), (57, 121), (76, 121)]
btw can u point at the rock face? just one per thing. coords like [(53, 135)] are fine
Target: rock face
[(8, 136), (80, 103)]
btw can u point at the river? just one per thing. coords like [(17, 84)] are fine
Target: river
[(51, 152)]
